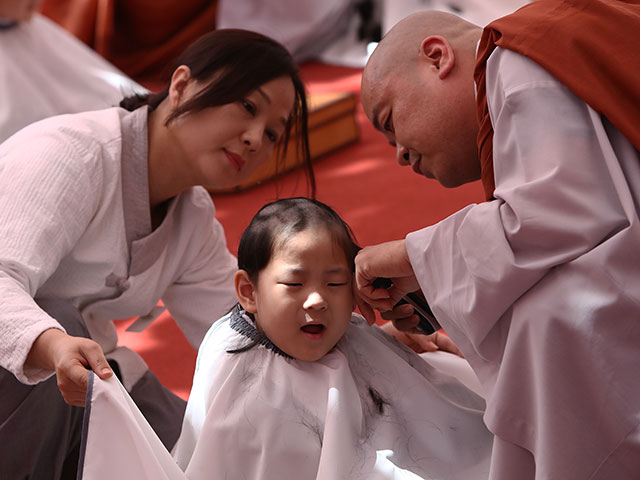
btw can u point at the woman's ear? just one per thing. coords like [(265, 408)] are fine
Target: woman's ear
[(439, 53), (179, 81), (245, 291)]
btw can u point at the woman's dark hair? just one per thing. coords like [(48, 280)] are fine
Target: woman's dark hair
[(278, 221), (274, 224), (233, 63)]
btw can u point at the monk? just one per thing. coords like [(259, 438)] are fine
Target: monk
[(538, 285)]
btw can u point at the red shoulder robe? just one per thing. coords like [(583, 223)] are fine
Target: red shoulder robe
[(591, 46)]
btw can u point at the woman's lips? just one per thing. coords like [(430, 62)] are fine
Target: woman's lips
[(236, 160)]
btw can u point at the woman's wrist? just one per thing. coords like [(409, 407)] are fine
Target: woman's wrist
[(42, 351)]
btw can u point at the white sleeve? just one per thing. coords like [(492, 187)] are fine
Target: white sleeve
[(204, 292), (48, 197), (555, 200)]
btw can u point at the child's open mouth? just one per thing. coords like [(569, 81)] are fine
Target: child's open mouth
[(313, 329)]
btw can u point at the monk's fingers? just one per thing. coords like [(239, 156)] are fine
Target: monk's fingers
[(399, 312), (443, 342), (366, 310), (406, 324)]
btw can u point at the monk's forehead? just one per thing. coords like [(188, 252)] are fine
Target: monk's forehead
[(375, 85), (381, 66)]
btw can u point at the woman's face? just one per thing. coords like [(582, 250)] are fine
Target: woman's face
[(221, 147)]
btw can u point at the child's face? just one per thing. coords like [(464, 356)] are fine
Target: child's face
[(304, 297)]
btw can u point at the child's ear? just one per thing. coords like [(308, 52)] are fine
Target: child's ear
[(245, 291)]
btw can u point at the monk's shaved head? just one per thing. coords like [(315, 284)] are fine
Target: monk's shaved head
[(417, 89), (401, 44)]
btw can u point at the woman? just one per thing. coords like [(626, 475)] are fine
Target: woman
[(103, 215)]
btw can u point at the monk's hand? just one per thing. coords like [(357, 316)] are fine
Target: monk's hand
[(404, 318), (386, 260), (423, 343), (69, 357)]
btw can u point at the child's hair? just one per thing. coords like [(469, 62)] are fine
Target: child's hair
[(233, 63), (278, 221), (273, 225)]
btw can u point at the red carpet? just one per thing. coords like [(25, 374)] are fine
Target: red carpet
[(380, 200)]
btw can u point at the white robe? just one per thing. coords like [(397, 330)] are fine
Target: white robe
[(369, 409), (46, 71), (540, 288), (75, 224)]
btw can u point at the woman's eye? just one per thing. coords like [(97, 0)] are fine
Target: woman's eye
[(249, 107), (272, 136)]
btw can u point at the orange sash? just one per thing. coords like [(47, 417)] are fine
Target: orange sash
[(591, 46)]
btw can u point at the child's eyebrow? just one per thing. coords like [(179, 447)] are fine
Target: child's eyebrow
[(338, 269), (334, 269)]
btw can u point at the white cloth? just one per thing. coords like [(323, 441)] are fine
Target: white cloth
[(75, 227), (371, 409), (305, 27), (540, 288), (45, 71), (117, 441), (260, 415), (455, 366)]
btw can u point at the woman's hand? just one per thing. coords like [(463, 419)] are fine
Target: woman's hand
[(70, 357), (423, 343)]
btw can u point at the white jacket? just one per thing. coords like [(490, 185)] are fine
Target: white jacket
[(75, 224)]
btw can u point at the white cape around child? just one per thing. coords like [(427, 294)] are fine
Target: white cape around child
[(369, 409)]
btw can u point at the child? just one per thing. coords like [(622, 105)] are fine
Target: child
[(292, 384)]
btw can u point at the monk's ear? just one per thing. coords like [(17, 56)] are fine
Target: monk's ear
[(245, 290), (438, 52), (180, 79)]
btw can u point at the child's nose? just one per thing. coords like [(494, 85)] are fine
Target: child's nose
[(315, 301)]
